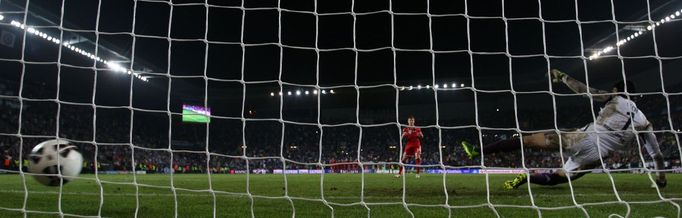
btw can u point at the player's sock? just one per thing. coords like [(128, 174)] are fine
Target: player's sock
[(502, 145), (547, 179), (417, 162)]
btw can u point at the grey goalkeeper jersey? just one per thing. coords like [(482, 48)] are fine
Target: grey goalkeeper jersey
[(615, 127)]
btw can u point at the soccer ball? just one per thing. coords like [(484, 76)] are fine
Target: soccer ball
[(48, 156)]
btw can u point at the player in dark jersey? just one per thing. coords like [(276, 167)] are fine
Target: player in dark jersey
[(413, 147)]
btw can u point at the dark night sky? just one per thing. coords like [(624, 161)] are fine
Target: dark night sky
[(468, 37)]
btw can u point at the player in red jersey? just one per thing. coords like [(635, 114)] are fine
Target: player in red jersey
[(413, 147)]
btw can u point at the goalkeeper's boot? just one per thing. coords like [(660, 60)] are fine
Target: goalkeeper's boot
[(516, 182), (469, 149)]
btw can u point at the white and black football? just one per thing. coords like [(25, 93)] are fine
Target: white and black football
[(54, 160)]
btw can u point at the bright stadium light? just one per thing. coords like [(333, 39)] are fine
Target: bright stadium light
[(272, 94), (324, 92), (461, 85), (314, 92), (631, 37), (454, 85), (116, 67), (331, 91), (53, 39), (2, 17), (435, 86), (402, 88), (428, 86), (445, 85), (289, 93), (307, 92), (419, 86), (410, 88), (280, 93), (298, 92)]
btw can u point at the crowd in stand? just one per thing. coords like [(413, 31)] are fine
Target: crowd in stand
[(112, 145)]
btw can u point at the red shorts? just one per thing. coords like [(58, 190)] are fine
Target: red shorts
[(412, 149)]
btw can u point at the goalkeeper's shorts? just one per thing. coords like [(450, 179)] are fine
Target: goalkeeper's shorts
[(583, 155)]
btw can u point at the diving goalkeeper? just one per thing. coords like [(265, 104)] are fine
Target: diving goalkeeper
[(613, 130)]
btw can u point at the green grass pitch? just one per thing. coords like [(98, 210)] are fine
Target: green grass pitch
[(383, 195)]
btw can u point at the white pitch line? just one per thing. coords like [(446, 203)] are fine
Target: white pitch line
[(326, 197)]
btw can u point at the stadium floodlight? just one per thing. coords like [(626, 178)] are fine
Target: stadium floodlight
[(116, 67), (324, 92), (314, 92), (410, 88), (435, 86), (428, 86), (54, 39), (454, 85), (272, 94), (445, 85), (461, 85), (298, 92), (607, 49), (636, 34), (289, 93), (419, 86), (280, 93), (307, 92), (2, 17), (331, 91), (402, 88)]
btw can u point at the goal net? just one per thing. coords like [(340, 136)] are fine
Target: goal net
[(191, 108)]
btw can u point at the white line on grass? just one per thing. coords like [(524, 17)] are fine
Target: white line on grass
[(328, 197)]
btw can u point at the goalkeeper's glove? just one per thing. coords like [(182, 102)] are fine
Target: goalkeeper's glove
[(557, 75), (661, 183)]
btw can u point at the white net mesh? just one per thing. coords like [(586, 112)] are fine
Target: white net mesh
[(179, 106)]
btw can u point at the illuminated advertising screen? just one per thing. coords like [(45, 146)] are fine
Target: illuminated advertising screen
[(195, 114)]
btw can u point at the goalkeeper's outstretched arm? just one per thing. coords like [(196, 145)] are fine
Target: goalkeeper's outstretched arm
[(652, 147), (577, 86)]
